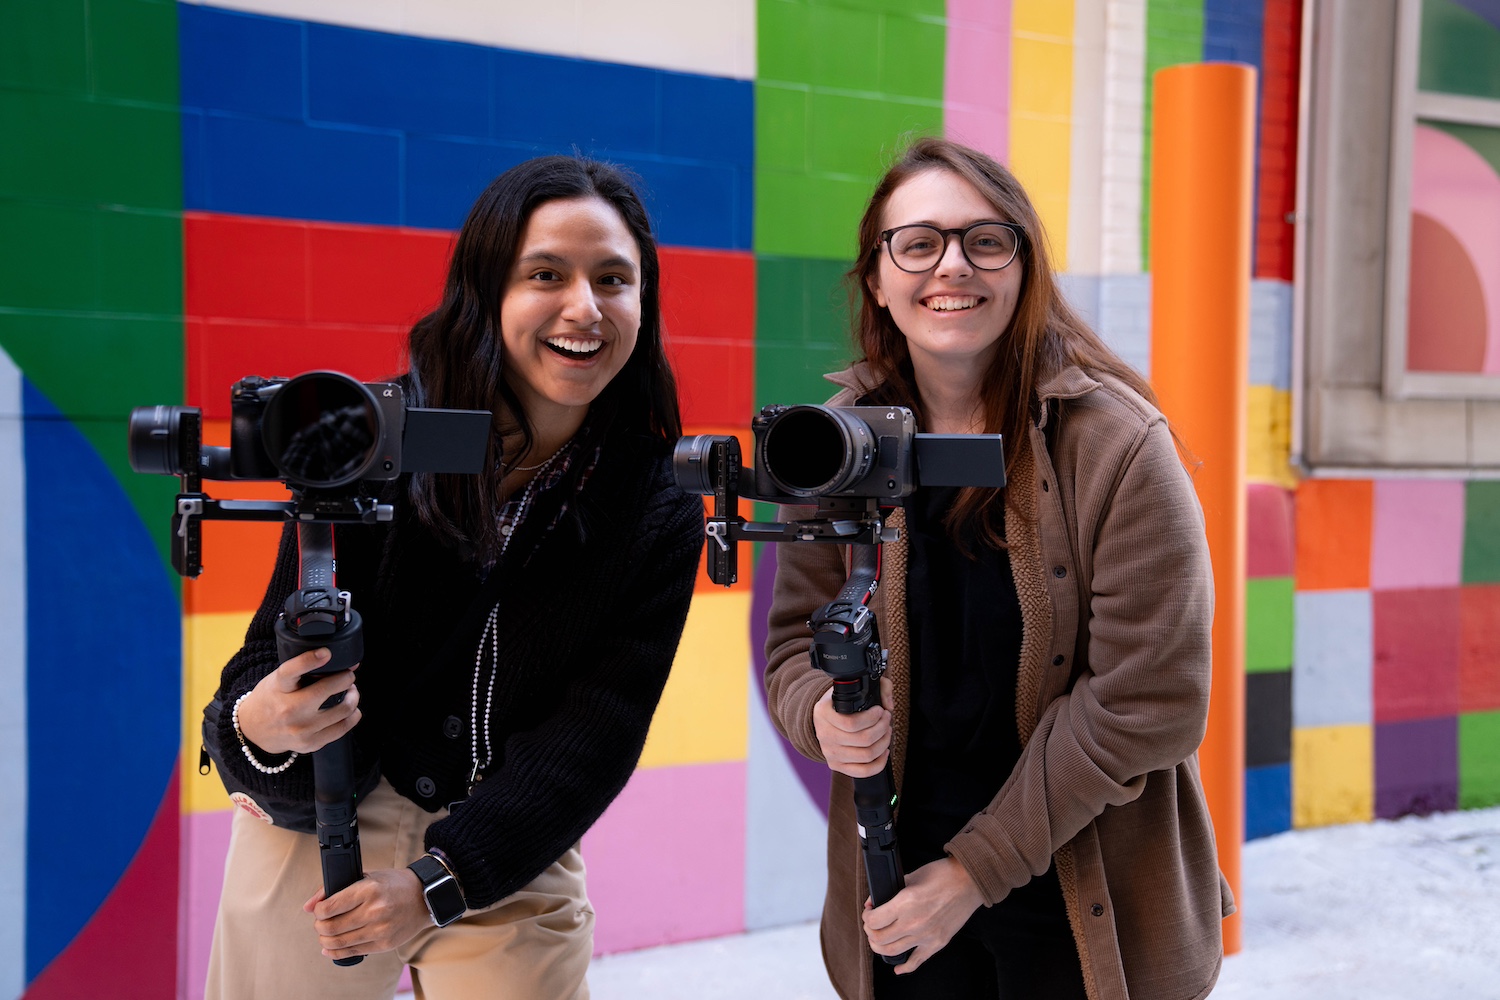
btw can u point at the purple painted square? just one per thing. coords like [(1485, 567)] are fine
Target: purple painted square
[(1418, 534), (1416, 767)]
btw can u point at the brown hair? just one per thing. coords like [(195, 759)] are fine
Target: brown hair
[(1045, 333)]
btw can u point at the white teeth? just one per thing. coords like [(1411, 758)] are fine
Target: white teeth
[(950, 303), (575, 345)]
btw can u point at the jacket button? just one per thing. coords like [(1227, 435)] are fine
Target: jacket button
[(453, 727), (426, 787), (1097, 910), (1058, 660), (1059, 571)]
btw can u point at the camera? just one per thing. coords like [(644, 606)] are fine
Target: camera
[(807, 452), (321, 430), (323, 433)]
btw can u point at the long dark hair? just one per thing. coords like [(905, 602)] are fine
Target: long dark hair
[(455, 353), (1045, 333)]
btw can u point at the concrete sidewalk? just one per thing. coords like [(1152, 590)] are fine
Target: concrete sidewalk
[(1397, 910), (1401, 910)]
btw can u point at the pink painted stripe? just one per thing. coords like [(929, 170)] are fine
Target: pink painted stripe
[(666, 861), (976, 75), (205, 844), (1418, 536)]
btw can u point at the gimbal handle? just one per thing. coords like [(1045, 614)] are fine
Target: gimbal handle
[(319, 616), (846, 646)]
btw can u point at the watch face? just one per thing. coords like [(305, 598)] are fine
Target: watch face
[(444, 901)]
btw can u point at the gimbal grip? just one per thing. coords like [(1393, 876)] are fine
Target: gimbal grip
[(874, 806)]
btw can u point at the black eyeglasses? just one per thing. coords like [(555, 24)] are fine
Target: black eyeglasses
[(989, 246)]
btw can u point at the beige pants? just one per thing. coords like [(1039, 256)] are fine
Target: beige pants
[(533, 945)]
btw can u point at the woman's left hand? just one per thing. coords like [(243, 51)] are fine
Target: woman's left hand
[(380, 912), (938, 899)]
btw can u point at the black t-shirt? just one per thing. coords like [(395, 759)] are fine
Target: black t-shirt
[(965, 628)]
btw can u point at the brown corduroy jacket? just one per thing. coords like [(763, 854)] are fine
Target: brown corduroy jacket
[(1111, 567)]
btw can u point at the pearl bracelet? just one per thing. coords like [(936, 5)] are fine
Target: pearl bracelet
[(234, 717)]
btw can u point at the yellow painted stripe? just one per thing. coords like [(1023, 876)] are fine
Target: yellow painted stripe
[(1333, 775), (1269, 437), (1041, 88), (208, 641), (704, 716)]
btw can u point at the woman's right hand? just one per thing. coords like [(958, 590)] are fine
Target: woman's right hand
[(278, 716), (856, 744)]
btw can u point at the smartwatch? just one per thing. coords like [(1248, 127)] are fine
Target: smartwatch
[(445, 900)]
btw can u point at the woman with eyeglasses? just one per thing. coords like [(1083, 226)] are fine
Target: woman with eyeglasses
[(1047, 685)]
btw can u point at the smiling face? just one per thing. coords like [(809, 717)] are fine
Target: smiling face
[(953, 315), (571, 311)]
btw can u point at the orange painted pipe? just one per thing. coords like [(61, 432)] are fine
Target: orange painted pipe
[(1202, 168)]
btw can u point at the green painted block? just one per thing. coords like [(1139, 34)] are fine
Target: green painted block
[(808, 216), (786, 374), (1268, 624), (1460, 51), (44, 45), (911, 58), (57, 257), (133, 50), (801, 302), (862, 135), (1478, 759), (845, 44), (780, 127), (783, 41), (1482, 532), (801, 328), (936, 9), (90, 152)]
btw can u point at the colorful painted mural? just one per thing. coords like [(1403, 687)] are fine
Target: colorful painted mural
[(191, 192)]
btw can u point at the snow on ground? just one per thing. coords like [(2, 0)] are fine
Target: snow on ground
[(1402, 910)]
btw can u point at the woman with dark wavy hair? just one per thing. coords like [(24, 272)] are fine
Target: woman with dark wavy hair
[(1048, 676), (519, 625)]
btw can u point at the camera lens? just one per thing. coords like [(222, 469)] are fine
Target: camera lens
[(322, 429), (692, 465), (155, 439), (812, 451)]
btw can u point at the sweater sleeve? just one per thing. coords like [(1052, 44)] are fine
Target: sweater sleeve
[(256, 658), (556, 778), (1142, 703), (808, 575)]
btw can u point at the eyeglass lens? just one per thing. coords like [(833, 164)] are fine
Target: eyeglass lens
[(989, 246)]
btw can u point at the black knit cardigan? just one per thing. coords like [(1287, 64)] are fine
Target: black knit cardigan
[(590, 614)]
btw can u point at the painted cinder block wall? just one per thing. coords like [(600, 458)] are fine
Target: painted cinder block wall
[(192, 192)]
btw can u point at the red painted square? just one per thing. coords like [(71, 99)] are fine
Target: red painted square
[(1276, 169), (1416, 653), (1270, 550), (1335, 518), (244, 268), (375, 274), (221, 352), (708, 309), (1479, 648)]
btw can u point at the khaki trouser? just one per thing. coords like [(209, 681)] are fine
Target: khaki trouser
[(533, 945)]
